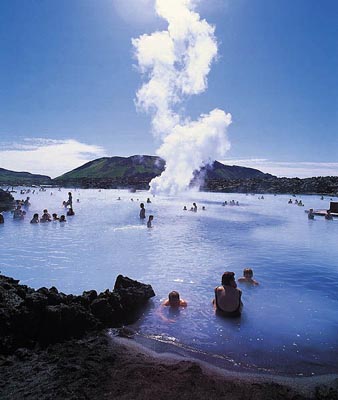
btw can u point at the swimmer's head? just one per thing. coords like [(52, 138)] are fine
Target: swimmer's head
[(247, 273), (174, 298), (228, 278)]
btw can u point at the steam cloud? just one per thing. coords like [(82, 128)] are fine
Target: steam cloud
[(176, 63)]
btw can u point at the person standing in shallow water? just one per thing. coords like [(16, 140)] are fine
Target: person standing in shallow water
[(70, 200), (142, 211), (228, 297), (151, 217)]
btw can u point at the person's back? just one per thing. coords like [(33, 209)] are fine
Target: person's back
[(228, 296)]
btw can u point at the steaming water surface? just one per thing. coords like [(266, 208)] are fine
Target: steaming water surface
[(289, 323)]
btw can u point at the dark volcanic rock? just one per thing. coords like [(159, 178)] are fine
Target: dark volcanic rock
[(133, 294), (29, 316), (327, 185), (6, 201)]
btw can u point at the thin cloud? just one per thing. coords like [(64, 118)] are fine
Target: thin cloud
[(143, 11), (288, 169), (47, 156)]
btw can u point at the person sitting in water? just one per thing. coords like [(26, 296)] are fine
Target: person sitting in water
[(194, 207), (185, 208), (296, 201), (35, 219), (55, 217), (151, 217), (311, 214), (174, 300), (62, 219), (2, 220), (203, 208), (300, 203), (328, 215), (290, 201), (18, 213), (228, 297), (64, 204), (45, 216), (248, 277), (148, 200), (70, 212), (142, 211)]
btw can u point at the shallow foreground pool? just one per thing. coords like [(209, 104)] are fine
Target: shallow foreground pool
[(289, 323)]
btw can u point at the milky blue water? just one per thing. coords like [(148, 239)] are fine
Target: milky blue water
[(290, 321)]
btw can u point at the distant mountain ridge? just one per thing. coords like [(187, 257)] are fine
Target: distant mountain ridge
[(8, 177), (137, 171), (145, 168)]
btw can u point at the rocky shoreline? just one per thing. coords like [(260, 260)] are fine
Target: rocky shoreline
[(29, 317), (76, 356)]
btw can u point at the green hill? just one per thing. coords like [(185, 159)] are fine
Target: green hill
[(221, 171), (13, 178), (142, 167)]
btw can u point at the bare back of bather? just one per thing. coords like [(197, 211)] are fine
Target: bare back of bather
[(228, 299)]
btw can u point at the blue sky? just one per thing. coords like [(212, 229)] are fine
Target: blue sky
[(68, 82)]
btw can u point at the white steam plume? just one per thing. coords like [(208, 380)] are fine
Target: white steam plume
[(176, 63)]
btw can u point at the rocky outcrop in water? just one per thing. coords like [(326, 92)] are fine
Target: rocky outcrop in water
[(44, 316), (6, 201)]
